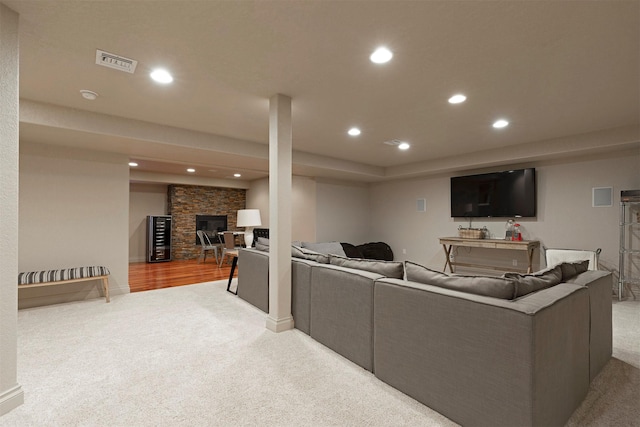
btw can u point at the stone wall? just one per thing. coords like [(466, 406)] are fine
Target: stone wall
[(187, 201)]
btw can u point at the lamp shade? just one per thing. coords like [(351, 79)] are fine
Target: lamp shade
[(249, 218)]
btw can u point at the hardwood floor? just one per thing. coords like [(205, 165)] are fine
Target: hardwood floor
[(145, 276)]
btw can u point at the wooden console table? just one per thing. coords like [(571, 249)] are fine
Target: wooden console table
[(524, 245)]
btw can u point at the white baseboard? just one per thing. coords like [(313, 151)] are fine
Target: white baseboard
[(11, 399), (279, 325)]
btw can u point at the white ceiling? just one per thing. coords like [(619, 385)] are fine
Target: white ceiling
[(559, 71)]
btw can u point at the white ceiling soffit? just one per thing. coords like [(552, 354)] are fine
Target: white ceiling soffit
[(69, 127)]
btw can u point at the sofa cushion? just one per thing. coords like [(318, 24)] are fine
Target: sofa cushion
[(572, 269), (528, 283), (303, 253), (392, 269), (334, 248), (496, 287)]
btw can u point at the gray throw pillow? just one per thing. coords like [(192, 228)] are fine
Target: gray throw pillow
[(303, 253), (572, 269), (528, 283), (392, 269), (263, 241), (496, 287), (328, 248), (261, 247)]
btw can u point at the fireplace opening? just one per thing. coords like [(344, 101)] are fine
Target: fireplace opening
[(211, 225)]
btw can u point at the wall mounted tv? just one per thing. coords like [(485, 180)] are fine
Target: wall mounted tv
[(499, 194)]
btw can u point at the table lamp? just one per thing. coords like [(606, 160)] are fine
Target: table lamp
[(249, 218)]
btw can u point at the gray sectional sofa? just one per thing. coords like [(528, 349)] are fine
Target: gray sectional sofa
[(520, 360)]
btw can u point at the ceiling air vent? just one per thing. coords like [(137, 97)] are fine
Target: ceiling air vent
[(114, 61), (393, 142)]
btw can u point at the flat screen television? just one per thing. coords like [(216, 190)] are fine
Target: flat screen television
[(509, 193)]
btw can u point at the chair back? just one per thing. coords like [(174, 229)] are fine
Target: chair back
[(260, 232), (229, 240), (205, 241), (557, 256), (201, 237)]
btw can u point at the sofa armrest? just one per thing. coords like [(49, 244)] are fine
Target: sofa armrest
[(599, 284), (342, 311), (253, 277), (301, 293), (484, 361)]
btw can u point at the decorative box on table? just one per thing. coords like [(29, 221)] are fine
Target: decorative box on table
[(472, 233)]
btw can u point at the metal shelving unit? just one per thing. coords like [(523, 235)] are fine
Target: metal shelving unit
[(629, 264)]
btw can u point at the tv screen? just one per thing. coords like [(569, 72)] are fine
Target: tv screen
[(499, 194)]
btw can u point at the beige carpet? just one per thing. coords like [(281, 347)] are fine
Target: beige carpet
[(199, 356)]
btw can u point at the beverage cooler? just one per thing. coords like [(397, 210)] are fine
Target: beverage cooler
[(158, 238)]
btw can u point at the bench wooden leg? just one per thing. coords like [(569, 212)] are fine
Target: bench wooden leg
[(105, 286)]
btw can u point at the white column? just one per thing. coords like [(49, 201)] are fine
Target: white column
[(279, 318), (11, 394)]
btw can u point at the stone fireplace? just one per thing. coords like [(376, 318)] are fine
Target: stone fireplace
[(189, 202)]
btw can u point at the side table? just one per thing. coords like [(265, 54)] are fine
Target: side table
[(519, 245)]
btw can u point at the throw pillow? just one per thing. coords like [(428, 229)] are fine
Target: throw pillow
[(325, 248), (261, 247), (528, 283), (376, 250), (496, 287), (392, 269), (351, 251), (572, 269), (303, 253), (263, 241)]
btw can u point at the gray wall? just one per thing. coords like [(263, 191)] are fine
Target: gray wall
[(144, 199), (11, 394), (322, 210), (303, 206), (356, 213), (565, 218), (343, 212), (74, 211), (81, 199)]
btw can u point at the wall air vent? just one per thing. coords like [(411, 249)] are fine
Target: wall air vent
[(114, 61), (393, 142)]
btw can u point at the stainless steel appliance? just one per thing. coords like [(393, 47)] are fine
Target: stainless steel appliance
[(158, 238)]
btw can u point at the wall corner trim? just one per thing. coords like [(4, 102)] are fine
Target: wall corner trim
[(11, 399)]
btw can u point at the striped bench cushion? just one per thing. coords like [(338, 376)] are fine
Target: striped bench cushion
[(45, 276)]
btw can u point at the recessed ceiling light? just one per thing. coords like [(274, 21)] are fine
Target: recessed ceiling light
[(191, 170), (404, 146), (87, 94), (161, 76), (381, 55), (133, 164), (500, 124), (457, 99), (237, 175), (354, 132)]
